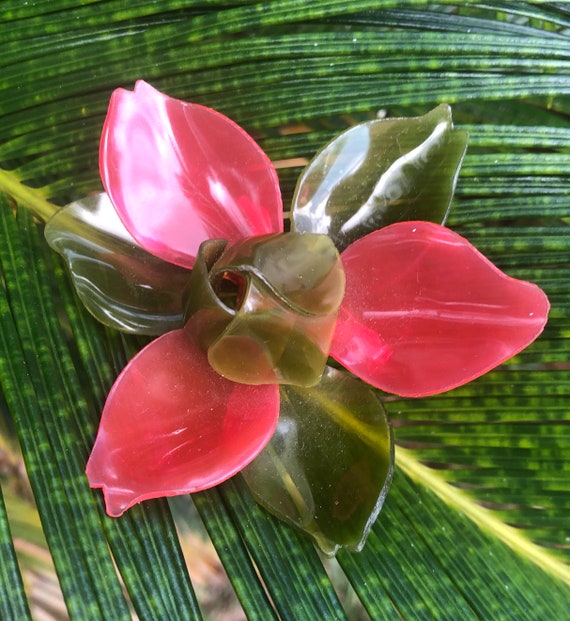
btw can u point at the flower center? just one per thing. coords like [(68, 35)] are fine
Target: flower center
[(264, 308)]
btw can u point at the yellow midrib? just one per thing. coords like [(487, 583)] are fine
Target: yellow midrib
[(29, 197), (484, 518)]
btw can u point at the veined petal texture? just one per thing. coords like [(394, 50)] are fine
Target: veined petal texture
[(179, 174)]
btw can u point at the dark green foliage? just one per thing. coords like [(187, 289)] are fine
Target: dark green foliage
[(295, 73)]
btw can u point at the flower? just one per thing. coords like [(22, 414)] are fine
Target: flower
[(188, 242)]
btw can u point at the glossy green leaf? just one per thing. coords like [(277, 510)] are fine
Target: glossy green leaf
[(120, 283), (265, 308), (328, 467), (378, 173)]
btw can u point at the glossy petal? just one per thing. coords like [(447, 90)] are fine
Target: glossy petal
[(378, 173), (328, 467), (425, 312), (179, 174), (120, 283), (171, 425), (265, 308)]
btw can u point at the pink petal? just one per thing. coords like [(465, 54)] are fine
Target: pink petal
[(172, 425), (179, 174), (425, 312)]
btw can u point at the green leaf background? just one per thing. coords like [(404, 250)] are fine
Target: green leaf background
[(476, 525)]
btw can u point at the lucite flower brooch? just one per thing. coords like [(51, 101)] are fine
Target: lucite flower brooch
[(273, 344)]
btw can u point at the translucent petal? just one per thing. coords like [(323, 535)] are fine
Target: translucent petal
[(265, 308), (378, 173), (121, 284), (425, 312), (328, 467), (179, 174), (171, 425)]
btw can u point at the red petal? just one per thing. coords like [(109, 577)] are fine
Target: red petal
[(179, 174), (425, 312), (172, 425)]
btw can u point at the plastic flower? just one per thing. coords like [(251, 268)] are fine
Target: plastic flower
[(188, 243)]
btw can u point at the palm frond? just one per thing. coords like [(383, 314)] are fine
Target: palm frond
[(475, 525)]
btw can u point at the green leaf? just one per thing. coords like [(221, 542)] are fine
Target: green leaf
[(328, 467), (288, 563), (13, 604), (122, 285), (54, 421), (378, 173), (296, 73), (436, 563)]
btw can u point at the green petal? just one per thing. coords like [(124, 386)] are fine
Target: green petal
[(378, 173), (121, 284), (265, 308), (329, 465)]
